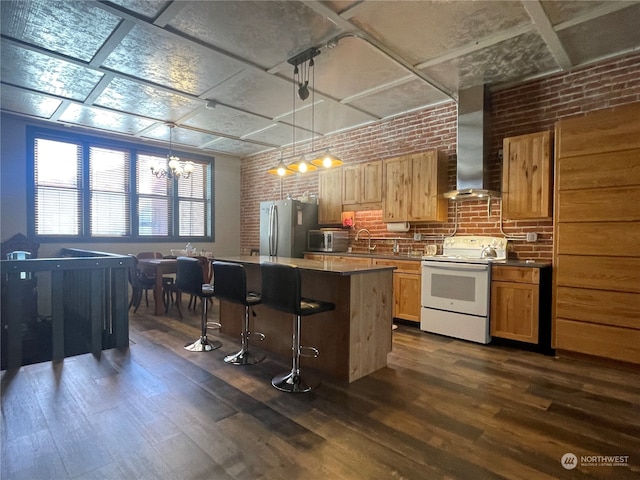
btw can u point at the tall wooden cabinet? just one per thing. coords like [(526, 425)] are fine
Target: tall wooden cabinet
[(527, 177), (330, 196), (597, 233), (413, 187)]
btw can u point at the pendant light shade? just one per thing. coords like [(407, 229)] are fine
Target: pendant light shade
[(326, 160), (302, 165), (281, 170)]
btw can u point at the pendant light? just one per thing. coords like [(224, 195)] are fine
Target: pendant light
[(303, 74), (280, 169), (327, 160)]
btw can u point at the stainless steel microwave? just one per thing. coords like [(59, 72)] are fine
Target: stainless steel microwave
[(327, 240)]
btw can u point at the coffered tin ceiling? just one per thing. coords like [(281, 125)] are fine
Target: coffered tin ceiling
[(218, 69)]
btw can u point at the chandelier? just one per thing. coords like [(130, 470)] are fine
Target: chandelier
[(303, 74), (172, 167)]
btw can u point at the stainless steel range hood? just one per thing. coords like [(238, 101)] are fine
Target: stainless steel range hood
[(473, 127)]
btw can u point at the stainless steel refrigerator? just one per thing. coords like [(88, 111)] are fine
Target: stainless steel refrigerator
[(284, 225)]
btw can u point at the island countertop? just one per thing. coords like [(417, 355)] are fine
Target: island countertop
[(327, 266)]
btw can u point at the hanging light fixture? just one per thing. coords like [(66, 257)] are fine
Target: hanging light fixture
[(280, 169), (327, 160), (303, 74), (172, 167)]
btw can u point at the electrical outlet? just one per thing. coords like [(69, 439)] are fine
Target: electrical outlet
[(532, 237), (417, 237)]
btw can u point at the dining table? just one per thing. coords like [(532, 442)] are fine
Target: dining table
[(158, 267)]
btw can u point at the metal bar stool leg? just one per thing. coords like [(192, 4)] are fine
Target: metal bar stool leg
[(292, 382), (244, 356), (203, 344)]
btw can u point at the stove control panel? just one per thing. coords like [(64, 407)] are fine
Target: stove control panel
[(471, 246)]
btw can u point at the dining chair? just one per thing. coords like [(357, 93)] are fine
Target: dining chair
[(167, 281), (140, 283)]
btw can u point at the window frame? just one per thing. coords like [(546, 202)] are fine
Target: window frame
[(86, 141)]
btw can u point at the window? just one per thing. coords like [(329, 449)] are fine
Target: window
[(58, 188), (154, 198), (109, 190), (90, 189)]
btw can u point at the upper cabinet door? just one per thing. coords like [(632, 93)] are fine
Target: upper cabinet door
[(396, 194), (351, 184), (526, 177), (362, 183), (414, 185), (330, 196), (428, 183), (371, 182)]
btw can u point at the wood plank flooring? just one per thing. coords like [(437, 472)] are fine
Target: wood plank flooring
[(443, 409)]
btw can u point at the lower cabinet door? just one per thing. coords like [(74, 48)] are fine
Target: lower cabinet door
[(514, 311), (406, 296)]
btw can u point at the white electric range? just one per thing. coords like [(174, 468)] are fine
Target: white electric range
[(456, 287)]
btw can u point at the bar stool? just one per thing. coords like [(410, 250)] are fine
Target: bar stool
[(281, 290), (190, 279), (230, 284)]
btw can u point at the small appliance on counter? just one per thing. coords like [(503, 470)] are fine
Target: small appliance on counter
[(328, 240)]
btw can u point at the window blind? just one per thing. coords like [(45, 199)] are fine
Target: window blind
[(109, 187), (58, 183), (154, 198), (193, 200)]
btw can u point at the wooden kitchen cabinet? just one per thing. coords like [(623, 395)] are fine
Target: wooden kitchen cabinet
[(396, 175), (526, 177), (407, 280), (330, 196), (362, 185), (314, 256), (413, 187), (596, 232), (521, 305), (515, 302)]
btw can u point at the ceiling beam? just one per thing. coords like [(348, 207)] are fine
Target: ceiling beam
[(548, 34)]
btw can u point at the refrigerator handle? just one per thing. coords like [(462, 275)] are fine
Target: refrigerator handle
[(276, 234), (273, 230), (270, 236)]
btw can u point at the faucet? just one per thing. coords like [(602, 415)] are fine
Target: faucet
[(369, 247)]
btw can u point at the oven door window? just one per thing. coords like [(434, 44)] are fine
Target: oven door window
[(456, 288), (453, 287)]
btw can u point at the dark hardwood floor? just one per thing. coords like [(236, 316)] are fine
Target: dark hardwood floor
[(443, 409)]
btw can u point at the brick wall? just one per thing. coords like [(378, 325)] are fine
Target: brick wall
[(526, 108)]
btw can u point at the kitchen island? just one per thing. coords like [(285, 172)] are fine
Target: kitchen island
[(353, 340)]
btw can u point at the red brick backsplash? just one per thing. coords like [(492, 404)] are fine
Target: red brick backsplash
[(526, 108)]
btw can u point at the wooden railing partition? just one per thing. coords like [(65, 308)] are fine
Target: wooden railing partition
[(89, 303)]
